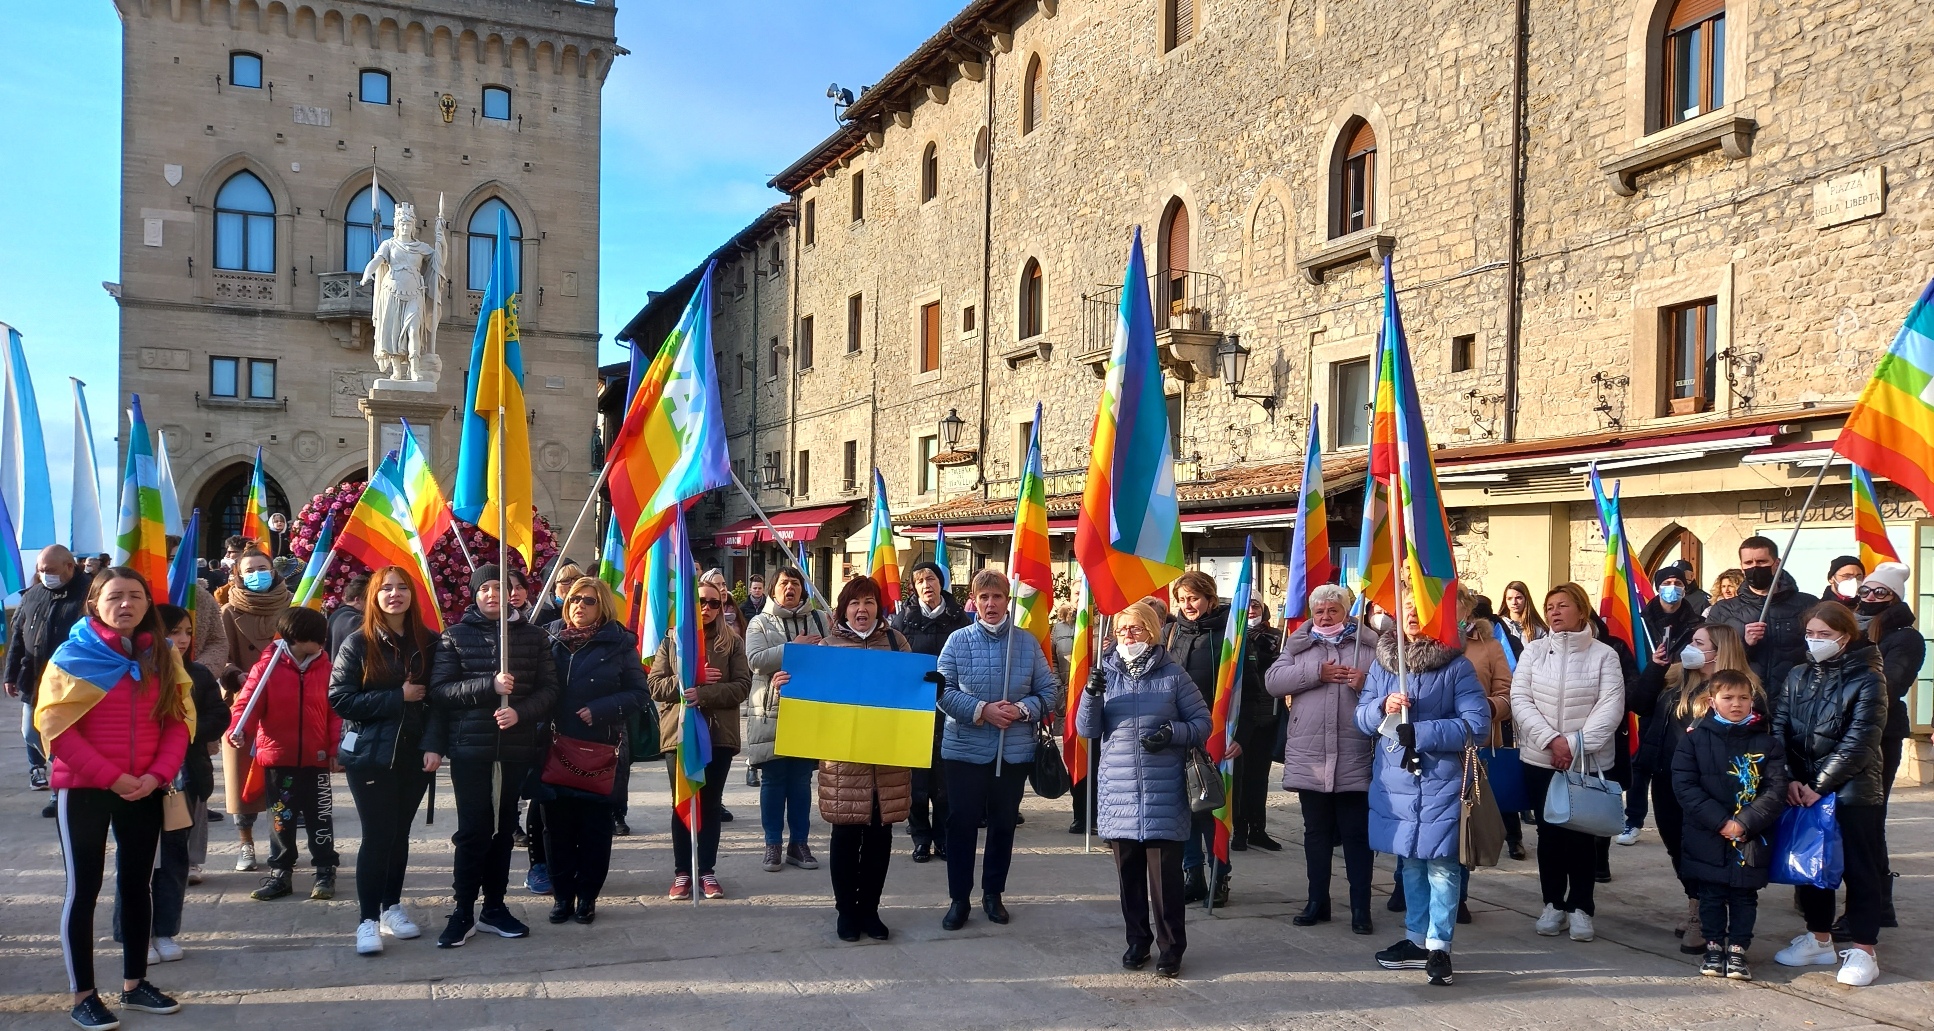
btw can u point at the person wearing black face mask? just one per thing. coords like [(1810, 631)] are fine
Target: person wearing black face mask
[(1889, 622), (1775, 642)]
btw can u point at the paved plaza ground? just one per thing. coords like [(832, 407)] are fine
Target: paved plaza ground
[(766, 957)]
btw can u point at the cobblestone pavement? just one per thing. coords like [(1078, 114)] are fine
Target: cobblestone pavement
[(766, 956)]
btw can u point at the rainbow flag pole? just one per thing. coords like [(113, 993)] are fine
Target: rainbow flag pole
[(1226, 711)]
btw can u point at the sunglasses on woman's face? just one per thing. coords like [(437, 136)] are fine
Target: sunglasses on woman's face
[(710, 603), (583, 599), (1875, 592)]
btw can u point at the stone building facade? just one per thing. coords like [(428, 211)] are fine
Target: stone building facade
[(251, 134), (1670, 236)]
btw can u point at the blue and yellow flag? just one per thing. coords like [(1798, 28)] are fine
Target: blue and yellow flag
[(854, 705), (495, 454)]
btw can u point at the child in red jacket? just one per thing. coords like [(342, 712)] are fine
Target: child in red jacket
[(285, 706)]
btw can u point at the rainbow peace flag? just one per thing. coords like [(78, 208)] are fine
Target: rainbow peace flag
[(1128, 535), (882, 559), (308, 592), (381, 533), (1374, 565), (611, 558), (1309, 545), (428, 509), (181, 575), (141, 541), (687, 632), (1081, 665), (672, 445), (1619, 603), (13, 578), (1869, 530), (255, 510), (1891, 428), (654, 583), (1227, 710), (1400, 457), (494, 456), (1028, 560)]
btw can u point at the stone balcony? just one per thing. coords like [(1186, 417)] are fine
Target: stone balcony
[(341, 295)]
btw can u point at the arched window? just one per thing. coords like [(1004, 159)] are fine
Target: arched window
[(245, 69), (1356, 179), (225, 498), (1172, 286), (244, 225), (359, 242), (373, 87), (1034, 300), (1034, 96), (1178, 17), (483, 244), (930, 173), (496, 103), (1694, 61)]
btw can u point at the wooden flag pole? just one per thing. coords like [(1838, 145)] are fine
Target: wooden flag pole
[(1779, 562)]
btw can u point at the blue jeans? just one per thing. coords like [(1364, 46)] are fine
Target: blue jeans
[(1431, 888), (786, 799), (1198, 847)]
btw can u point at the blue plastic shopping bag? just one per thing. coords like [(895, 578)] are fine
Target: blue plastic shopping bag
[(1806, 846)]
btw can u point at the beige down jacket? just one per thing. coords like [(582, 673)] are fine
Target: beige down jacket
[(1565, 683), (847, 791)]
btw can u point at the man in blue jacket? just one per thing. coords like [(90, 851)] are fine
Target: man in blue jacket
[(996, 687)]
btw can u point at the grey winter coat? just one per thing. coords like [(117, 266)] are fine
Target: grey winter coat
[(972, 663), (1142, 795), (1410, 815), (1323, 749), (765, 644)]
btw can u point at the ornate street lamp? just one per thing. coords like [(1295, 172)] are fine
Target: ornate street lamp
[(1232, 362)]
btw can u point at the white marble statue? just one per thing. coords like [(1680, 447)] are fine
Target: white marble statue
[(408, 275)]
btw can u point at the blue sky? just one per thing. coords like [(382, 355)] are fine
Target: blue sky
[(715, 98)]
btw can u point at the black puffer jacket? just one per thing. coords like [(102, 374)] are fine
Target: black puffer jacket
[(1717, 764), (605, 675), (211, 721), (463, 692), (1902, 650), (926, 634), (380, 729), (1260, 709), (1829, 717), (1661, 729), (1195, 645), (39, 625), (1784, 646)]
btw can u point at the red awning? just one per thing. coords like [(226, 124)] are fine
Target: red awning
[(962, 531), (799, 524)]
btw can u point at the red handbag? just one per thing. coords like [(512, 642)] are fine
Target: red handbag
[(581, 765)]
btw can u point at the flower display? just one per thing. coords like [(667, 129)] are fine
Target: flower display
[(449, 571)]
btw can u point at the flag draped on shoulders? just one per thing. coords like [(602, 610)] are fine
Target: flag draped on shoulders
[(1400, 458), (1128, 534), (494, 457), (671, 446), (1225, 714), (1029, 566), (1869, 529), (84, 668), (882, 558), (380, 532), (1309, 546), (141, 543), (1890, 431)]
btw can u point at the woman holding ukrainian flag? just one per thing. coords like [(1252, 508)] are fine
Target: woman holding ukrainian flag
[(115, 710)]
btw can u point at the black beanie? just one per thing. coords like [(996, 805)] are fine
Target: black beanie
[(1845, 560), (930, 566), (1673, 571), (487, 572)]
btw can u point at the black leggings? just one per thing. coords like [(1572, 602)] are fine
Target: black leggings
[(858, 857), (1863, 842), (386, 803), (577, 842), (85, 817), (711, 797)]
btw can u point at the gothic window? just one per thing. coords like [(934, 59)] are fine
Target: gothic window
[(244, 225)]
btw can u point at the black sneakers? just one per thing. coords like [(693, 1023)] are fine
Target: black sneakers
[(274, 886), (148, 999), (1405, 955), (1715, 963), (94, 1015), (498, 921), (461, 926), (1737, 968), (325, 888), (1438, 967)]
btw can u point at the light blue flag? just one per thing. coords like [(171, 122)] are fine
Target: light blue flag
[(940, 558), (86, 532), (13, 578), (23, 451)]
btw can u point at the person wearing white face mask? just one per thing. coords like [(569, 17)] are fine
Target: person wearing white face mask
[(49, 608), (1831, 715), (1670, 697), (1844, 575), (1669, 618)]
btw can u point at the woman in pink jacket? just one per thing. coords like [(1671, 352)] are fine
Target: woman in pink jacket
[(115, 708)]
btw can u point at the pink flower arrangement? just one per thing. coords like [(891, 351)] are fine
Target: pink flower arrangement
[(449, 572)]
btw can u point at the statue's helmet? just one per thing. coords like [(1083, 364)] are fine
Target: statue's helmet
[(405, 213)]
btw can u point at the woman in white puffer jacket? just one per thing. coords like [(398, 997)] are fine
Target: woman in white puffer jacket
[(1567, 682)]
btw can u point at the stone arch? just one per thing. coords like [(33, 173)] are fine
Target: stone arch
[(1673, 540), (351, 466), (246, 15), (1644, 64), (442, 43), (1037, 77), (469, 47), (1026, 324), (335, 27), (520, 55), (1358, 108), (573, 60), (219, 173), (216, 468), (388, 29), (276, 9), (546, 54), (306, 25), (1268, 239), (416, 37)]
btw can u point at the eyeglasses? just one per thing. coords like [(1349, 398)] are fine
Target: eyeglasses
[(710, 603), (583, 599), (1875, 592)]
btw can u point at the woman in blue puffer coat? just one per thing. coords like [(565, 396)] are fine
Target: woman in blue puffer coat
[(1148, 713), (1414, 815)]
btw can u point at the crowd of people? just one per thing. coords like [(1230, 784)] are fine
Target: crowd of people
[(1752, 700)]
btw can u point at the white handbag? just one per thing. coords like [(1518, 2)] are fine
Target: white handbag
[(1582, 799)]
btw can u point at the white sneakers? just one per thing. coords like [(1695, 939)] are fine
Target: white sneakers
[(397, 924), (1806, 950), (245, 861), (1581, 926), (1630, 836), (1551, 921), (369, 939), (1859, 969), (194, 875), (1554, 922), (163, 950)]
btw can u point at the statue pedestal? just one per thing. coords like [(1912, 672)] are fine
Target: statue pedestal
[(392, 401)]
